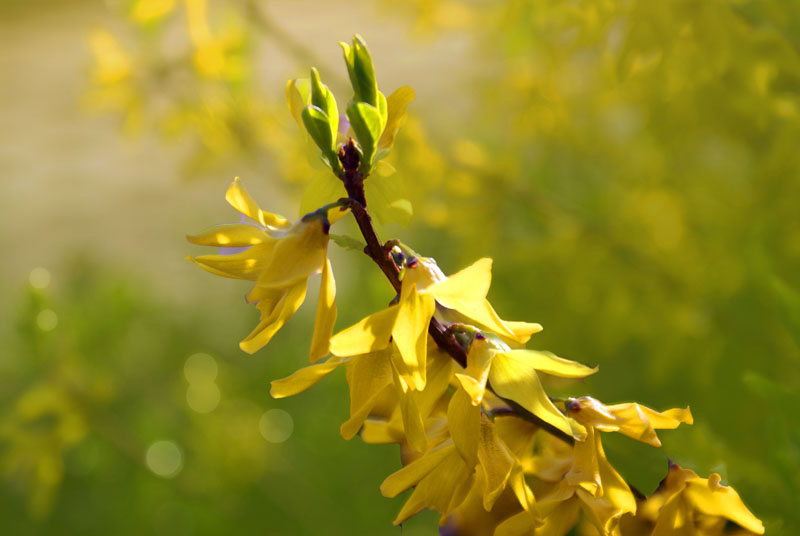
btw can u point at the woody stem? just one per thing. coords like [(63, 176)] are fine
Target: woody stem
[(353, 182)]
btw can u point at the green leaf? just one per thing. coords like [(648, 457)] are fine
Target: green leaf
[(361, 71), (322, 98), (318, 126), (366, 123), (348, 242)]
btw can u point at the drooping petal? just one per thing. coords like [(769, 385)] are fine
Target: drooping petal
[(274, 314), (552, 364), (367, 375), (244, 265), (241, 200), (368, 335), (440, 489), (411, 474), (640, 422), (304, 378), (523, 330), (466, 292), (297, 255), (413, 426), (326, 314), (585, 470), (615, 489), (475, 376), (464, 423), (710, 497), (515, 379), (231, 235), (410, 333), (496, 462)]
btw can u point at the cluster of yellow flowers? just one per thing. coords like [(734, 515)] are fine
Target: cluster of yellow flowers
[(441, 374)]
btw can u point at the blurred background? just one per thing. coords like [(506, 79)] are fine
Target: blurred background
[(631, 166)]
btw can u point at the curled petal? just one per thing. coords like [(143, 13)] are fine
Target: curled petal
[(247, 264), (552, 364), (464, 422), (410, 334), (368, 335), (241, 200), (231, 235), (326, 314), (515, 379), (277, 306), (304, 378), (466, 292)]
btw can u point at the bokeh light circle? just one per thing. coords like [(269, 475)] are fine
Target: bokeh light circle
[(203, 397), (39, 278), (47, 320), (276, 425), (200, 368), (164, 458)]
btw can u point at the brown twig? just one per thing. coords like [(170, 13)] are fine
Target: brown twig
[(353, 181)]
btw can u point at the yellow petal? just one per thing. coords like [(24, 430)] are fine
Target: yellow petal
[(466, 292), (464, 423), (326, 314), (438, 489), (479, 361), (304, 378), (410, 333), (413, 426), (714, 499), (275, 312), (380, 432), (438, 371), (368, 335), (615, 489), (396, 104), (297, 93), (411, 474), (241, 200), (515, 379), (300, 253), (367, 376), (244, 265), (585, 470), (496, 462), (640, 422), (231, 235), (523, 330), (552, 364)]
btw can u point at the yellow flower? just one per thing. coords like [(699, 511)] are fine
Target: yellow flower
[(425, 291), (279, 257), (513, 375), (473, 457), (686, 504), (397, 414)]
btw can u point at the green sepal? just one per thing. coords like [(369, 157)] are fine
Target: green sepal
[(317, 124), (365, 120), (322, 98), (361, 71)]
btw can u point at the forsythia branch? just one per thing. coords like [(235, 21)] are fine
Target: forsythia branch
[(353, 181)]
